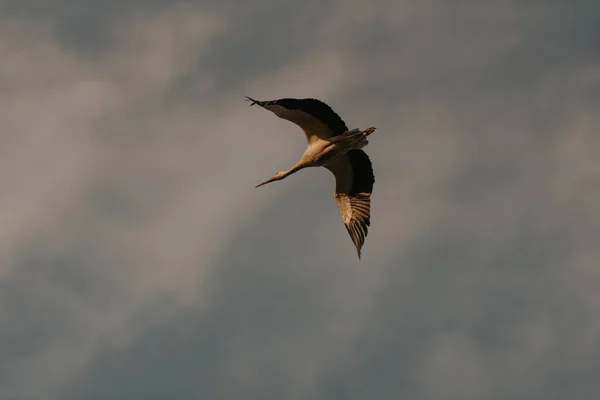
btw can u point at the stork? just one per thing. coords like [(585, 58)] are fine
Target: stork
[(333, 146)]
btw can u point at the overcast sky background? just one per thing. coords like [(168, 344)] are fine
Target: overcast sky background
[(137, 261)]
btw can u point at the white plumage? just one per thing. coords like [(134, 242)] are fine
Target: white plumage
[(333, 146)]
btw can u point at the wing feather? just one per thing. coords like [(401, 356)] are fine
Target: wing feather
[(354, 184), (313, 116)]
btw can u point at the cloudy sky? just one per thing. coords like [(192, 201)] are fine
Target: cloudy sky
[(137, 261)]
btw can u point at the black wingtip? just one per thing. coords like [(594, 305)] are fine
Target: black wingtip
[(252, 100)]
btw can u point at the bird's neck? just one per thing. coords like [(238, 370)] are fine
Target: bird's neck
[(295, 168)]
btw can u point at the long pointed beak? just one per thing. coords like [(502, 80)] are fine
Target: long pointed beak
[(267, 181)]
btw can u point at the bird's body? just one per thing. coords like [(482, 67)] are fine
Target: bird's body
[(331, 145)]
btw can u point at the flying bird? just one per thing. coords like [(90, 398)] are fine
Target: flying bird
[(333, 146)]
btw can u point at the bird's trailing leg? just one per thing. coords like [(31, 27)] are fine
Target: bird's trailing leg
[(368, 131), (348, 134), (360, 140), (327, 151), (354, 133), (353, 139)]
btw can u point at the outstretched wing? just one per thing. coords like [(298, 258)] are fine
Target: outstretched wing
[(354, 184), (316, 118)]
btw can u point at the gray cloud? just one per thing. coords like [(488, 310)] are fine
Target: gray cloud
[(137, 260)]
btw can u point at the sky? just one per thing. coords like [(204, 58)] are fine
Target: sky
[(138, 261)]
